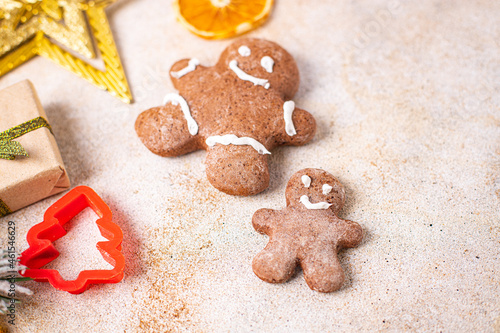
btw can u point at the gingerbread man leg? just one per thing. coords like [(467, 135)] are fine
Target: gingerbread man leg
[(165, 131), (276, 263), (237, 170), (322, 270)]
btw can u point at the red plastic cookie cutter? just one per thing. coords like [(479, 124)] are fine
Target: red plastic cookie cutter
[(42, 251)]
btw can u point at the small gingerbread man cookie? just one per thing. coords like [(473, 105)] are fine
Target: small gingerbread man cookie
[(306, 233), (237, 111)]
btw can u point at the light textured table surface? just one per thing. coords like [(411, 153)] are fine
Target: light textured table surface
[(406, 95)]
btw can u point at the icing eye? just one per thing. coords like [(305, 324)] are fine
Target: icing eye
[(327, 188), (306, 180), (244, 51), (268, 63)]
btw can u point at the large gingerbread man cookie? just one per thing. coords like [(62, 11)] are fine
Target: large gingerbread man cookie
[(238, 111), (306, 233)]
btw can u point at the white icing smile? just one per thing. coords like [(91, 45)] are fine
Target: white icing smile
[(327, 188), (244, 51), (306, 180), (188, 69), (231, 139), (233, 64), (268, 63), (319, 205), (177, 99), (288, 109)]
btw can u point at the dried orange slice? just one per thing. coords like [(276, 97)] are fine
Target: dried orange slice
[(215, 19)]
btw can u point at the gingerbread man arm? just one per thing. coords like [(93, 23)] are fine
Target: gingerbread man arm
[(303, 124), (165, 132), (170, 130), (183, 70), (263, 220), (352, 234)]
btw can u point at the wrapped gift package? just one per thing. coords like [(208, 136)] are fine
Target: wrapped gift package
[(28, 179)]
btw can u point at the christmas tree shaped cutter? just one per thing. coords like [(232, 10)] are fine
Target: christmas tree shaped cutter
[(42, 251)]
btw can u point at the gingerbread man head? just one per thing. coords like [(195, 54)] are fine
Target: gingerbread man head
[(237, 111), (265, 60), (315, 188)]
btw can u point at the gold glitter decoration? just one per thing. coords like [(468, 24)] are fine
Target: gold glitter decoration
[(46, 27), (9, 149)]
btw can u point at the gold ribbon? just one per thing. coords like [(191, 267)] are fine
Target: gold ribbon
[(9, 149), (4, 209)]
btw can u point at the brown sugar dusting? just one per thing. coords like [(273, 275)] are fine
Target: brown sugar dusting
[(166, 305), (178, 253)]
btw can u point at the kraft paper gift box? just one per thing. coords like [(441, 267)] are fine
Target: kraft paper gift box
[(26, 180)]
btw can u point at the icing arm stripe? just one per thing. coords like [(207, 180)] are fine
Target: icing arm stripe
[(319, 205), (288, 109), (177, 99), (231, 139), (188, 69), (233, 64)]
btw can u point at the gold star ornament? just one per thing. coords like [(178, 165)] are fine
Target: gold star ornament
[(63, 31)]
